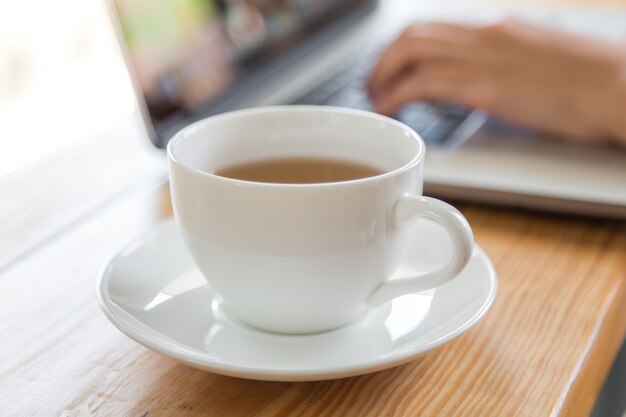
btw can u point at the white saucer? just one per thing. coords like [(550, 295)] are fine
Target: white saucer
[(152, 291)]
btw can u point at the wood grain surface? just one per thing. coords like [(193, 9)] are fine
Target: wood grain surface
[(543, 349)]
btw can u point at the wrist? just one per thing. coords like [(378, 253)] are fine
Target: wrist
[(615, 111)]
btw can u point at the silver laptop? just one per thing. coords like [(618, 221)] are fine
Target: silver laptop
[(189, 59)]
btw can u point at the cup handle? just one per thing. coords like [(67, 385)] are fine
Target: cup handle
[(410, 207)]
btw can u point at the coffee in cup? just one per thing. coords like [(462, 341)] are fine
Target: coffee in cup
[(299, 170)]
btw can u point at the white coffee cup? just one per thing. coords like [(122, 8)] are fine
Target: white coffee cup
[(303, 258)]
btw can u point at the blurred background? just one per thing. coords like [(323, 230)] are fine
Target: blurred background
[(61, 77)]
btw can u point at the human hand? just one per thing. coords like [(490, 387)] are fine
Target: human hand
[(538, 77)]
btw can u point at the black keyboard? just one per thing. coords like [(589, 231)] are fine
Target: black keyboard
[(437, 123)]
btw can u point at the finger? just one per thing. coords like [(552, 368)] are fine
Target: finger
[(445, 82), (418, 43), (396, 59), (444, 30)]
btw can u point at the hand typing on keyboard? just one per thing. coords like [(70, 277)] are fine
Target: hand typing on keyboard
[(538, 77), (438, 123)]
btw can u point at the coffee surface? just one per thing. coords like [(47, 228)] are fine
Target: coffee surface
[(299, 170)]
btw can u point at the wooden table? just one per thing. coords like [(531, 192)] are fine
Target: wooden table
[(544, 349)]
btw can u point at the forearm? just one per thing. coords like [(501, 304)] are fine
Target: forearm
[(617, 120)]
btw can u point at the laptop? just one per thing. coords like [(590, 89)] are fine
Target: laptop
[(190, 59)]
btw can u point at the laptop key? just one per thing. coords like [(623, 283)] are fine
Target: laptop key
[(318, 95), (439, 132), (348, 98)]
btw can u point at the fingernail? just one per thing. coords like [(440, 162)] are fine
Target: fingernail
[(381, 108), (376, 103)]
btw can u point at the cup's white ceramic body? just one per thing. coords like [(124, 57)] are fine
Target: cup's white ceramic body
[(302, 258)]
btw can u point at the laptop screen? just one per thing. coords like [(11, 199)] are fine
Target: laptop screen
[(188, 53)]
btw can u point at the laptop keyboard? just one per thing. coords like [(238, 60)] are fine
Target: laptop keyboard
[(438, 123)]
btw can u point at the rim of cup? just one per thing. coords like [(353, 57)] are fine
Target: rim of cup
[(199, 125)]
